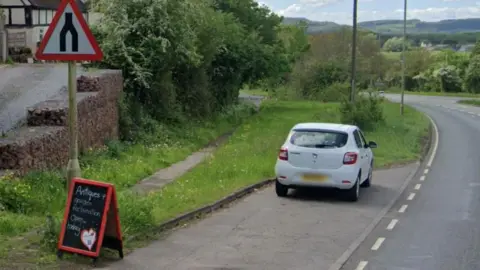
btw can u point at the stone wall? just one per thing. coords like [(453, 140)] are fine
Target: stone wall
[(43, 143)]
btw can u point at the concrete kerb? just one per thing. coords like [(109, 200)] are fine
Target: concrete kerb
[(210, 208), (426, 161)]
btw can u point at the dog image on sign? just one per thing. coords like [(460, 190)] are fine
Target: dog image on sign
[(88, 238)]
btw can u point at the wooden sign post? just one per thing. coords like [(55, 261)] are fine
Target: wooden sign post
[(68, 38), (91, 220)]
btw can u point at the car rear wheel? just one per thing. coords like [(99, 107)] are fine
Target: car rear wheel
[(280, 189), (353, 193), (368, 181)]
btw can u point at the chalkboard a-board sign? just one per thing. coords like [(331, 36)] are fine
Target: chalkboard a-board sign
[(91, 219)]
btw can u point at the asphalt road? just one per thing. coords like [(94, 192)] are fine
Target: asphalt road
[(435, 225), (309, 230)]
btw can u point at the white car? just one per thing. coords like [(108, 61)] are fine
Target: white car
[(325, 155)]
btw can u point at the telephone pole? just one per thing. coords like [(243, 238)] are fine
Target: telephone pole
[(354, 51), (402, 99)]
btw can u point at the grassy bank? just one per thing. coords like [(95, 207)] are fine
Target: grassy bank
[(472, 102), (248, 157), (250, 154), (438, 94), (25, 204), (254, 92)]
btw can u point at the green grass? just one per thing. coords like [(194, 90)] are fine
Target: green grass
[(250, 154), (25, 204), (472, 102), (444, 94), (248, 157), (255, 92)]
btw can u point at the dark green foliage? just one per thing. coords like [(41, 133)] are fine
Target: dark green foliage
[(184, 60), (472, 76), (365, 112)]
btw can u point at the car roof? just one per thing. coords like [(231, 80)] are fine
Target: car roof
[(325, 126)]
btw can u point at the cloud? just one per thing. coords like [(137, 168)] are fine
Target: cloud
[(427, 14)]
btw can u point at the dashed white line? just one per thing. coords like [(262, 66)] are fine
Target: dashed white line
[(392, 224), (361, 265), (422, 178), (403, 208), (426, 171), (417, 186), (378, 243), (411, 196)]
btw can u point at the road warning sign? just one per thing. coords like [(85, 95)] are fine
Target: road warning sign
[(68, 37)]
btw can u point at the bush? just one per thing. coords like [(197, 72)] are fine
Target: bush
[(365, 113), (472, 76), (311, 79), (335, 92), (186, 60), (448, 79)]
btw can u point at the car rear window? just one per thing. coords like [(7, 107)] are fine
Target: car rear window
[(314, 138)]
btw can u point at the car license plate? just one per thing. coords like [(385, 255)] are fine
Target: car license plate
[(314, 177)]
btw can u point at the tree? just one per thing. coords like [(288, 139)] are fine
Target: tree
[(395, 44), (448, 79), (476, 50), (472, 76), (187, 59)]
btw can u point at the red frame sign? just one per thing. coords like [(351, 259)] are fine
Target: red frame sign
[(97, 56), (110, 207)]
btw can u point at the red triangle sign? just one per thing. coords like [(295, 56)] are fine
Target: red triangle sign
[(68, 37)]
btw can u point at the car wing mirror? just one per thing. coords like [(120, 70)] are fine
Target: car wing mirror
[(372, 144)]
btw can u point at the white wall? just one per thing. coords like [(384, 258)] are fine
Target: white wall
[(14, 3), (18, 15)]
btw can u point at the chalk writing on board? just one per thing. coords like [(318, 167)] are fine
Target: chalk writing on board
[(85, 191)]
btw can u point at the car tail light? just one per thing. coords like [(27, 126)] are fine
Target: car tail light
[(350, 158), (283, 154)]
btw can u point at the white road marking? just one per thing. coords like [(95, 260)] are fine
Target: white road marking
[(411, 196), (392, 224), (361, 265), (422, 178), (403, 208), (435, 145), (378, 243), (426, 171), (417, 186)]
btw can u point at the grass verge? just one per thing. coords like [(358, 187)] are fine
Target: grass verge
[(255, 92), (25, 204), (437, 94), (472, 102), (249, 156)]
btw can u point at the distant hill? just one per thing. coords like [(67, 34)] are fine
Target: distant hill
[(417, 26), (396, 26), (315, 26)]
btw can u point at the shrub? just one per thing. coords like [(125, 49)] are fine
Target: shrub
[(310, 80), (335, 92), (472, 76), (365, 113), (448, 78)]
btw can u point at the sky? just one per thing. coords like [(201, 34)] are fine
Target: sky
[(340, 11)]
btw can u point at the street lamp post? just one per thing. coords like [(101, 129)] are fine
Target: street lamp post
[(354, 51), (403, 55)]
